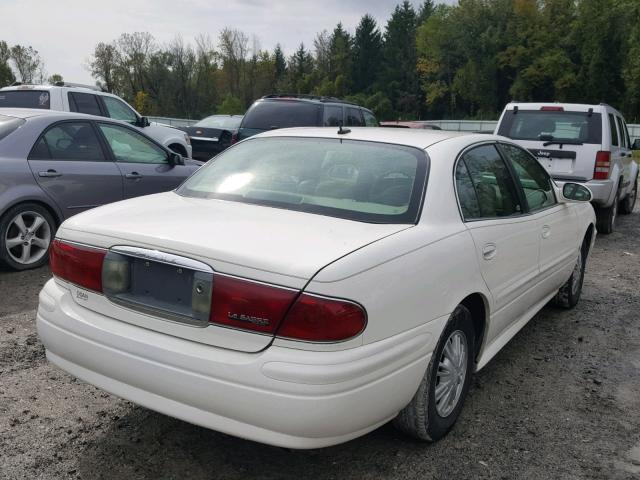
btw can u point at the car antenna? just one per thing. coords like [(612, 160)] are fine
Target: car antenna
[(590, 112), (342, 131)]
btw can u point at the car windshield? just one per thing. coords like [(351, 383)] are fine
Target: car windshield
[(220, 121), (546, 125), (9, 124), (25, 99), (270, 114), (357, 180)]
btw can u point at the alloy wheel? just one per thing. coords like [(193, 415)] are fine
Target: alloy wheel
[(27, 238), (451, 374)]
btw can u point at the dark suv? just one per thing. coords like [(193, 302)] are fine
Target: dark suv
[(282, 111)]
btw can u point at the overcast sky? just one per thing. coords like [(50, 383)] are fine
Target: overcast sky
[(66, 31)]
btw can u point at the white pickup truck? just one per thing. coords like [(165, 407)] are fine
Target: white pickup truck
[(69, 97), (588, 144)]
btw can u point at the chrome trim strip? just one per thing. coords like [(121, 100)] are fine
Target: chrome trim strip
[(162, 257), (206, 139)]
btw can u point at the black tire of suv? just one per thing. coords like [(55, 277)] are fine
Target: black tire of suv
[(627, 205), (5, 259), (606, 216), (420, 419)]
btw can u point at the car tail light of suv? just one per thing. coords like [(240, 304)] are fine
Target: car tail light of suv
[(603, 165), (236, 303)]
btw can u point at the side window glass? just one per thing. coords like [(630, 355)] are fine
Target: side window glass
[(84, 103), (119, 110), (492, 182), (354, 117), (534, 179), (369, 119), (626, 134), (332, 116), (131, 147), (40, 151), (614, 132), (623, 139), (73, 141), (466, 193)]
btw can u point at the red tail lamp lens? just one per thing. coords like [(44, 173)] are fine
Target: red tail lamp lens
[(319, 319), (77, 264), (603, 165)]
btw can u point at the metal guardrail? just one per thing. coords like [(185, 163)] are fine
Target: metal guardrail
[(455, 125)]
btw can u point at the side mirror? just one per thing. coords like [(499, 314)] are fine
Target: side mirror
[(575, 192), (636, 144), (175, 159), (143, 122)]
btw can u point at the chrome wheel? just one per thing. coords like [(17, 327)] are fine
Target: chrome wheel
[(27, 238), (576, 277), (452, 371)]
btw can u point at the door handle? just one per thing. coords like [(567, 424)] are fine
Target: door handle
[(51, 173), (133, 176), (489, 251), (546, 231)]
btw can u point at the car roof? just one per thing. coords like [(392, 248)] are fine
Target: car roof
[(401, 136), (571, 107), (54, 115), (317, 99)]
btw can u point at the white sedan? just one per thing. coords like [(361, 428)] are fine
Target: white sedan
[(310, 285)]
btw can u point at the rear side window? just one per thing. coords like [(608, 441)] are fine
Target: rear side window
[(466, 193), (533, 178), (626, 134), (369, 119), (354, 117), (9, 125), (492, 182), (268, 115), (25, 99), (577, 127), (332, 116), (84, 103), (623, 138), (614, 131), (68, 141)]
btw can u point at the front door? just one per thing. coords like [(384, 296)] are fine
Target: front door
[(70, 165)]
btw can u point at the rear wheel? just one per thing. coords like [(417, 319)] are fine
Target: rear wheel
[(26, 232), (606, 216), (628, 204), (437, 404)]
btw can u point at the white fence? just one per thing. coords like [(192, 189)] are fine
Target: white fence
[(455, 125)]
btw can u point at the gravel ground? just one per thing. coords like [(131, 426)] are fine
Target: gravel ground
[(561, 400)]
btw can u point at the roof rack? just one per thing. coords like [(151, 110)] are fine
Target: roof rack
[(78, 85), (302, 96)]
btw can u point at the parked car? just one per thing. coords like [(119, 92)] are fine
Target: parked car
[(312, 284), (212, 135), (588, 144), (413, 124), (56, 164), (291, 110), (72, 97)]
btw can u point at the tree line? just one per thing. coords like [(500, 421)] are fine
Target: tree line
[(437, 61)]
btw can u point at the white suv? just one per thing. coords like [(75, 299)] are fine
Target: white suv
[(69, 97), (579, 143)]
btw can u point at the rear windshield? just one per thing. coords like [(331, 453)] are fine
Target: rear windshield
[(576, 127), (363, 181), (25, 99), (9, 124), (218, 121), (282, 114)]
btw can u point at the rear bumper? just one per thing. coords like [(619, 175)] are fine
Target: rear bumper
[(280, 396), (603, 191)]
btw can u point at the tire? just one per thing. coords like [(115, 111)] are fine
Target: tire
[(627, 205), (569, 294), (424, 418), (17, 236), (606, 216)]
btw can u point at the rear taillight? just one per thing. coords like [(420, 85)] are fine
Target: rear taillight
[(249, 305), (603, 165), (77, 264), (552, 109), (268, 309), (321, 319), (234, 138)]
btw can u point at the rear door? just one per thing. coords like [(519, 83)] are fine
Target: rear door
[(564, 142), (144, 165), (625, 153), (69, 163), (506, 239)]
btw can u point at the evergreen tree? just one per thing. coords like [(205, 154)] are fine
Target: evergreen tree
[(367, 54), (280, 62)]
